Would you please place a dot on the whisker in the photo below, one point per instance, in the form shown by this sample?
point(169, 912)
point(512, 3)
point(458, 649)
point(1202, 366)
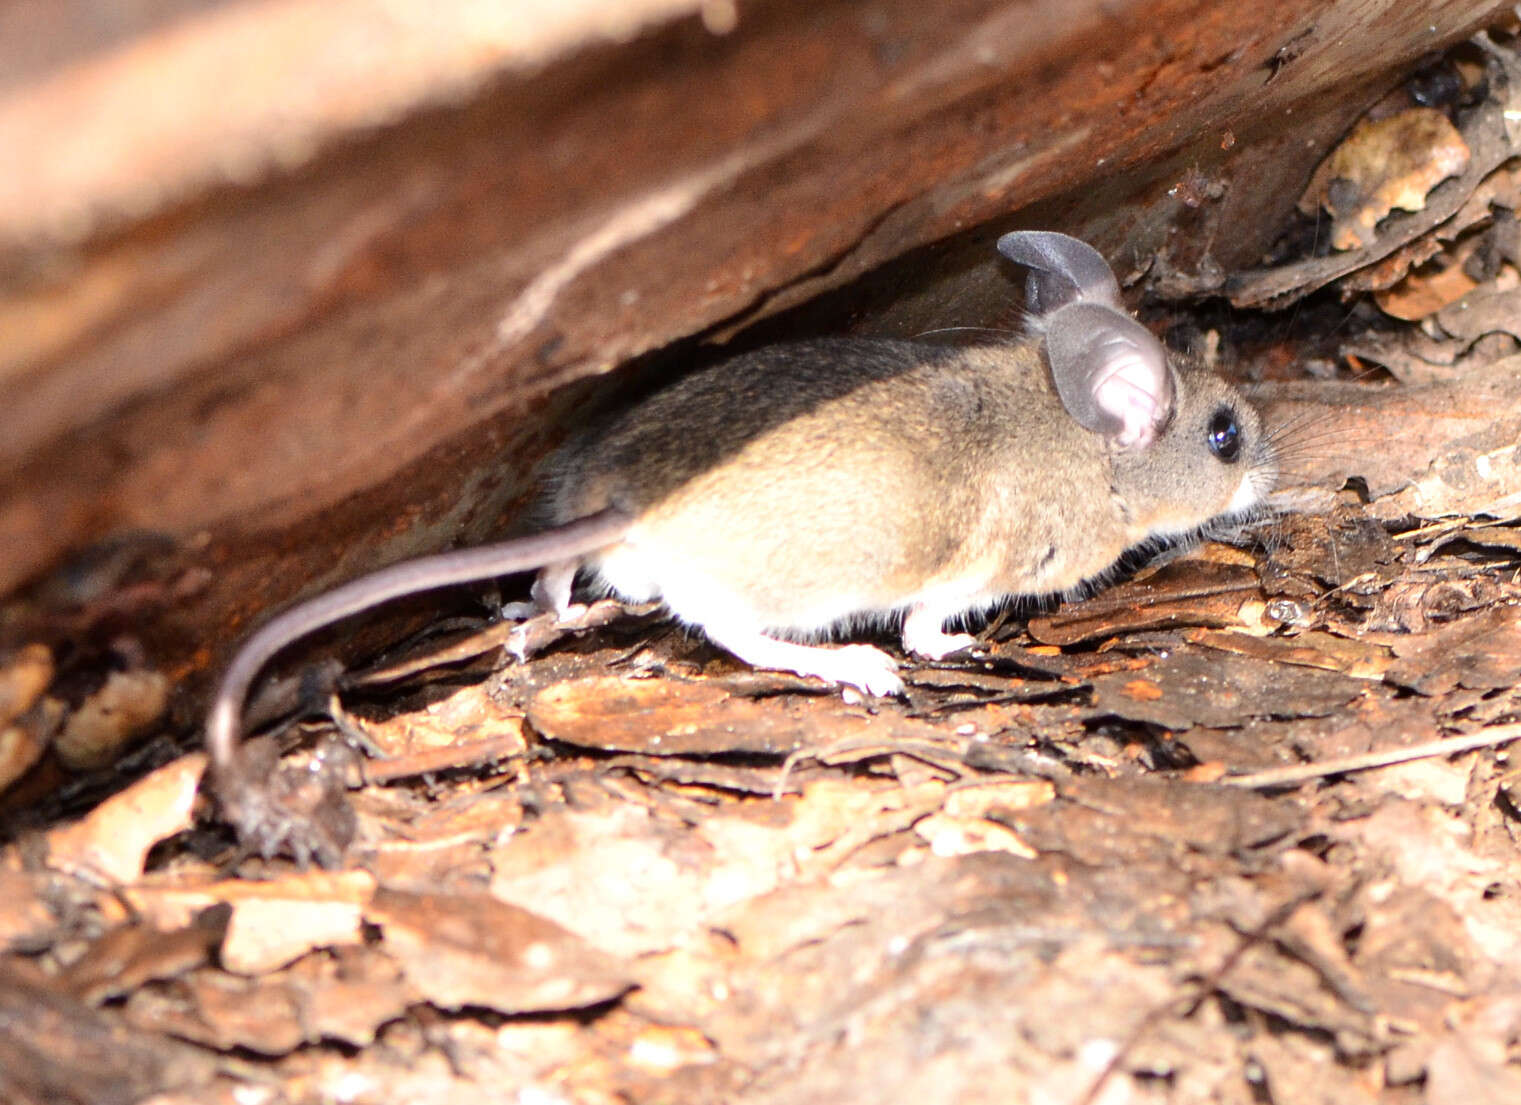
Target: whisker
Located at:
point(1314, 428)
point(1013, 335)
point(1305, 445)
point(1311, 417)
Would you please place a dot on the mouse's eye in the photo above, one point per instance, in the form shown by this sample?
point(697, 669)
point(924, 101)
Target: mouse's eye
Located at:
point(1225, 435)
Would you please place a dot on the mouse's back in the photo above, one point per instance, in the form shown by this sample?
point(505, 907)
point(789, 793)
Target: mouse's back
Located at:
point(832, 479)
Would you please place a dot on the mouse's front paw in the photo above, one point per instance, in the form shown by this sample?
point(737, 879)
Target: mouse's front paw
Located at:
point(924, 633)
point(938, 645)
point(868, 669)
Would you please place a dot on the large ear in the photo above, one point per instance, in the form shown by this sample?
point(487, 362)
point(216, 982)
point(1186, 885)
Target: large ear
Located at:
point(1110, 372)
point(1063, 270)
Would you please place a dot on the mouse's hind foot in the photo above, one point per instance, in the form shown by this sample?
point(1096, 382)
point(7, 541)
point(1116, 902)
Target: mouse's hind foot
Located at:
point(276, 808)
point(864, 667)
point(543, 629)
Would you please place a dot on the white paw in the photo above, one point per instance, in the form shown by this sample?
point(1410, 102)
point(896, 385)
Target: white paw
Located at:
point(865, 668)
point(937, 646)
point(861, 666)
point(517, 644)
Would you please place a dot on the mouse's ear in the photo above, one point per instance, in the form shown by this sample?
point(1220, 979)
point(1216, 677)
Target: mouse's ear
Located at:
point(1063, 270)
point(1110, 372)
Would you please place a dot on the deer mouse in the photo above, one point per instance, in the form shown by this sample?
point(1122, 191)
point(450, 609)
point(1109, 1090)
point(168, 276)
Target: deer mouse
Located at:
point(802, 490)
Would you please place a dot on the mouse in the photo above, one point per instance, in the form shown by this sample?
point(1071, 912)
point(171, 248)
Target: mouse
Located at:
point(802, 492)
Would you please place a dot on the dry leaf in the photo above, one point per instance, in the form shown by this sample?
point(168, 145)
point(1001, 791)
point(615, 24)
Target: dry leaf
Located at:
point(130, 955)
point(265, 933)
point(24, 740)
point(1191, 592)
point(56, 1049)
point(1311, 649)
point(1383, 165)
point(960, 836)
point(123, 709)
point(661, 1050)
point(110, 845)
point(1187, 689)
point(24, 675)
point(1482, 652)
point(468, 715)
point(26, 921)
point(460, 950)
point(273, 921)
point(1421, 294)
point(978, 799)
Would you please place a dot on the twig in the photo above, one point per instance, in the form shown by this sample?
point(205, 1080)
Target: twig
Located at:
point(1303, 773)
point(1187, 1003)
point(449, 758)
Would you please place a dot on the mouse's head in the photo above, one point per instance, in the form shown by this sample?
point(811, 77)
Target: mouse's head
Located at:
point(1187, 447)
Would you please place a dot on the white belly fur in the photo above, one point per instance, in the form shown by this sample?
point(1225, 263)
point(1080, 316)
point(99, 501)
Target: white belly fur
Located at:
point(637, 572)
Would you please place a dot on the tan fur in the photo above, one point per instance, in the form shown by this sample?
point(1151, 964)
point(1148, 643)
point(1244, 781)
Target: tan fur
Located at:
point(832, 481)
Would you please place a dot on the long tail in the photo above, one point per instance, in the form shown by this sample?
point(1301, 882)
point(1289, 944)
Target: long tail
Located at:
point(567, 542)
